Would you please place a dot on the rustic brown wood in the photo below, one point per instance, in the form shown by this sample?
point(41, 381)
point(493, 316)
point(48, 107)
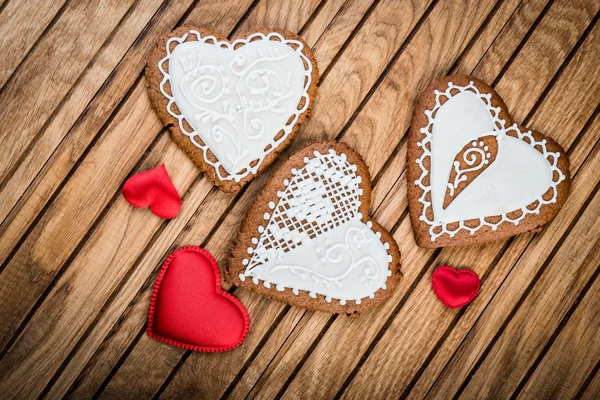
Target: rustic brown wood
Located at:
point(76, 122)
point(592, 390)
point(323, 352)
point(34, 92)
point(21, 24)
point(123, 135)
point(397, 334)
point(228, 229)
point(79, 263)
point(183, 162)
point(574, 353)
point(396, 86)
point(546, 119)
point(538, 316)
point(443, 385)
point(131, 119)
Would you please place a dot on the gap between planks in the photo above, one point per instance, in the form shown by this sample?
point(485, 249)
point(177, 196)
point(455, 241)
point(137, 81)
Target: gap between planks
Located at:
point(71, 172)
point(552, 82)
point(178, 365)
point(364, 101)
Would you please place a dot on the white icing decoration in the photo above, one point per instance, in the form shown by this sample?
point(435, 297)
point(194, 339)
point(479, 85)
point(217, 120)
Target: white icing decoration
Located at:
point(315, 240)
point(520, 175)
point(236, 101)
point(476, 158)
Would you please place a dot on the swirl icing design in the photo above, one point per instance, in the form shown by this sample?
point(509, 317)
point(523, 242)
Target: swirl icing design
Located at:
point(469, 163)
point(241, 99)
point(315, 239)
point(507, 186)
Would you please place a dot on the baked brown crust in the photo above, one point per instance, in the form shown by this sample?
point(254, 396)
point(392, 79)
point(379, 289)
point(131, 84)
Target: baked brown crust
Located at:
point(531, 222)
point(159, 102)
point(254, 219)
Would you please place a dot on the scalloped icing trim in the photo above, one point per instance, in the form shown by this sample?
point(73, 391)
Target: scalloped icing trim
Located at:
point(287, 128)
point(551, 157)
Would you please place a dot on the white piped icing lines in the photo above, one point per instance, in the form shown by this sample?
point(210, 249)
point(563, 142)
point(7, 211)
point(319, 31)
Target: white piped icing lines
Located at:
point(315, 239)
point(236, 97)
point(522, 172)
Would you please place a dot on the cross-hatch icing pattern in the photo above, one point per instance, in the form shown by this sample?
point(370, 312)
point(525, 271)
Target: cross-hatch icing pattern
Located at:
point(437, 228)
point(322, 195)
point(240, 128)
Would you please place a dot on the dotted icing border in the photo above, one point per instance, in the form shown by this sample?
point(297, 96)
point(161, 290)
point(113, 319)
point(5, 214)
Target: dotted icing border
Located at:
point(287, 129)
point(501, 131)
point(296, 291)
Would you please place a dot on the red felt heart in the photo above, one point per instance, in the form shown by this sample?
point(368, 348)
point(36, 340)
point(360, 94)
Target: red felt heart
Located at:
point(153, 188)
point(190, 310)
point(455, 288)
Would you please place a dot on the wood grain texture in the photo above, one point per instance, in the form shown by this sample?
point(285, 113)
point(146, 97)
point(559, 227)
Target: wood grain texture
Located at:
point(141, 223)
point(78, 120)
point(457, 369)
point(226, 229)
point(116, 234)
point(224, 246)
point(278, 374)
point(593, 389)
point(323, 352)
point(538, 316)
point(79, 263)
point(21, 24)
point(130, 119)
point(390, 354)
point(485, 254)
point(574, 353)
point(59, 58)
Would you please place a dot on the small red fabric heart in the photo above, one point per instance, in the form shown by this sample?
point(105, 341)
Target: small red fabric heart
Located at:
point(153, 188)
point(455, 288)
point(190, 310)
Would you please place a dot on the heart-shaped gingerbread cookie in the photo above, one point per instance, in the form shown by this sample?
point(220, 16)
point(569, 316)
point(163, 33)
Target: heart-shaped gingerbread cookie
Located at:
point(231, 105)
point(473, 174)
point(308, 240)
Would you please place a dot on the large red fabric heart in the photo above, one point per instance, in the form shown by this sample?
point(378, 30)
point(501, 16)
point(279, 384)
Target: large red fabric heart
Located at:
point(190, 310)
point(153, 188)
point(455, 288)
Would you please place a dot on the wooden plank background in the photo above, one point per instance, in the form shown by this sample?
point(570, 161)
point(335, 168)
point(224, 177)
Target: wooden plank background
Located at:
point(78, 263)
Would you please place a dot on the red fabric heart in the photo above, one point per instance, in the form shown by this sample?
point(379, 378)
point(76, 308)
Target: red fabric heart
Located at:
point(153, 188)
point(190, 310)
point(455, 288)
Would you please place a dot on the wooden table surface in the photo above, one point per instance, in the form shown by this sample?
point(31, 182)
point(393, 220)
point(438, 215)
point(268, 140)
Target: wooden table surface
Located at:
point(78, 263)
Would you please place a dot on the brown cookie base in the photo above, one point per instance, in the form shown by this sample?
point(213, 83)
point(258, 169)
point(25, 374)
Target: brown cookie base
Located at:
point(254, 219)
point(160, 102)
point(531, 222)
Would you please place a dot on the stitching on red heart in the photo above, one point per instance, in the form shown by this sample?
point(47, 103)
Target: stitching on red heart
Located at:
point(453, 291)
point(170, 318)
point(154, 189)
